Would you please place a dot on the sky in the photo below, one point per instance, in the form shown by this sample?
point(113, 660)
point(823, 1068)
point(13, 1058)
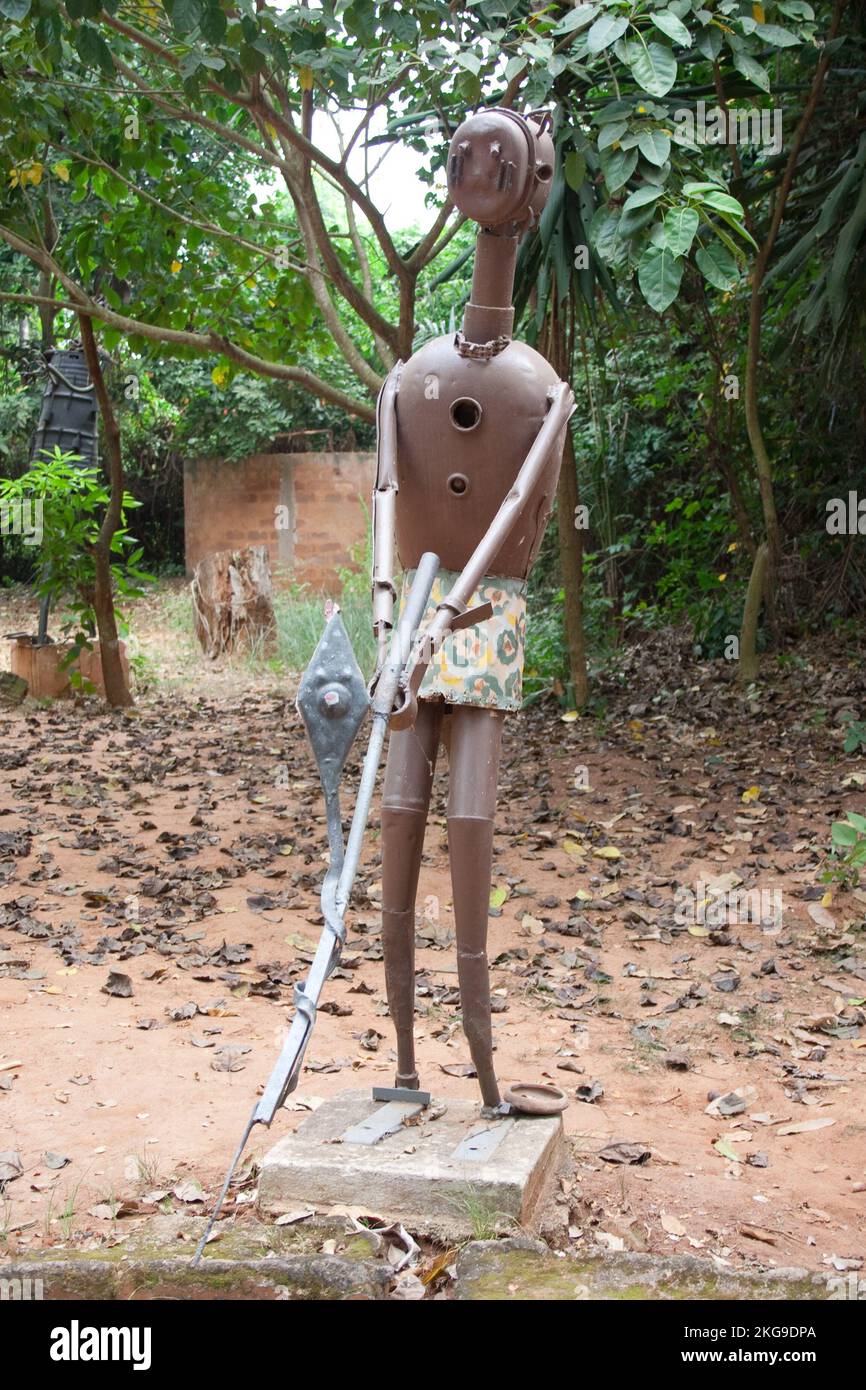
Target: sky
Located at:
point(395, 188)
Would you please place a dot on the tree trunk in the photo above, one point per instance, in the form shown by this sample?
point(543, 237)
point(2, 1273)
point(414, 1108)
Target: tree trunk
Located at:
point(558, 343)
point(233, 600)
point(116, 688)
point(763, 464)
point(571, 563)
point(748, 667)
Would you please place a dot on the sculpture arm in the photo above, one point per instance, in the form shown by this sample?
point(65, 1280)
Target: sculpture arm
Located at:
point(453, 610)
point(384, 513)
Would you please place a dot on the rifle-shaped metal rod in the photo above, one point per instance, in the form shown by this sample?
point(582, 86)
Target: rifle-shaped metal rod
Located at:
point(332, 700)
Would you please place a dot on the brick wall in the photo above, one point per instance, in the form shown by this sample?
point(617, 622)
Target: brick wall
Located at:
point(228, 505)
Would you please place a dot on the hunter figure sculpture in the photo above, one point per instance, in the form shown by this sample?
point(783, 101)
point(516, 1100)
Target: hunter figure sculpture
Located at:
point(470, 435)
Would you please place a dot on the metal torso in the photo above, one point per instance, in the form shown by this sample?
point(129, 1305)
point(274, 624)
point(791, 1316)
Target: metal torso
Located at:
point(464, 426)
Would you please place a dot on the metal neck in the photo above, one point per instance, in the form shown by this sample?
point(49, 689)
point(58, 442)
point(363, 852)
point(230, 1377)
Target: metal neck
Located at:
point(490, 312)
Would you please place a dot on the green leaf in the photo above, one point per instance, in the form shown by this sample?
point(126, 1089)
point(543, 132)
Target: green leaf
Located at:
point(653, 67)
point(680, 225)
point(693, 189)
point(610, 134)
point(15, 9)
point(618, 167)
point(659, 275)
point(614, 111)
point(723, 202)
point(709, 42)
point(842, 834)
point(93, 50)
point(578, 18)
point(651, 173)
point(752, 70)
point(673, 27)
point(848, 240)
point(717, 266)
point(641, 197)
point(213, 24)
point(472, 62)
point(574, 169)
point(605, 31)
point(655, 146)
point(185, 15)
point(603, 232)
point(634, 221)
point(469, 86)
point(796, 9)
point(859, 822)
point(776, 35)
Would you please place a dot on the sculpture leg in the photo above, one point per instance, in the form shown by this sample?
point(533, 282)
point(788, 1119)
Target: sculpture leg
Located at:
point(405, 801)
point(473, 755)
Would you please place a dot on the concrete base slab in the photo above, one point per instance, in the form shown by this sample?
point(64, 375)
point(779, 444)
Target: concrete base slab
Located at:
point(456, 1172)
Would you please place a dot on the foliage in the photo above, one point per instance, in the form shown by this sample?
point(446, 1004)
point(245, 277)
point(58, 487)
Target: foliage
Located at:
point(855, 734)
point(849, 850)
point(73, 501)
point(192, 237)
point(175, 110)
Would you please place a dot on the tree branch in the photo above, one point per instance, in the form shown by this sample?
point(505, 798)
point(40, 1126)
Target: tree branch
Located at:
point(208, 342)
point(343, 282)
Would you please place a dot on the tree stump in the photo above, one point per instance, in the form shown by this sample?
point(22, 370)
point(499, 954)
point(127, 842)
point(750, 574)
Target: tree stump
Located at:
point(233, 600)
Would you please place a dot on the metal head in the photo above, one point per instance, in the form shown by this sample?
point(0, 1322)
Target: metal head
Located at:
point(332, 701)
point(500, 167)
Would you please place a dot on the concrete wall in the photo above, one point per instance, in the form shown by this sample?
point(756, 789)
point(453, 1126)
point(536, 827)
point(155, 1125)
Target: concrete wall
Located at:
point(229, 505)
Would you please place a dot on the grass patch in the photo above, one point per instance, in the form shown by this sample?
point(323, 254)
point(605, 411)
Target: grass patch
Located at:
point(300, 620)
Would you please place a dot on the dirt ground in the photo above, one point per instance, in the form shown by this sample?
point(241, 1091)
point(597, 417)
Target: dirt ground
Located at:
point(159, 881)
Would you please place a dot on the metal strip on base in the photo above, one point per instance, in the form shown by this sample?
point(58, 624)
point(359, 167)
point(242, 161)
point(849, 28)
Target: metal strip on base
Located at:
point(385, 1119)
point(478, 1147)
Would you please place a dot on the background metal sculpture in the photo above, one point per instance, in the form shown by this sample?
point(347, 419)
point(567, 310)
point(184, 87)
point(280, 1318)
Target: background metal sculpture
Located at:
point(68, 420)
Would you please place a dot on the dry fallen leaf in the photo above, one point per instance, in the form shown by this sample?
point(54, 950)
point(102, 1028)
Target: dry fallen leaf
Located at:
point(805, 1126)
point(623, 1152)
point(821, 917)
point(756, 1233)
point(118, 984)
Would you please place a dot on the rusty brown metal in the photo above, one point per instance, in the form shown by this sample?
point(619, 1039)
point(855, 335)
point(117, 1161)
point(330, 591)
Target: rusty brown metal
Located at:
point(471, 434)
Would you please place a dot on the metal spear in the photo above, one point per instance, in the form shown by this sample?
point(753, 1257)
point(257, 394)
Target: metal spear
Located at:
point(332, 701)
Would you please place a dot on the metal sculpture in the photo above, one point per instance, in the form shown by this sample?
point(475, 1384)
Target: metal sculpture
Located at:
point(471, 432)
point(470, 438)
point(68, 421)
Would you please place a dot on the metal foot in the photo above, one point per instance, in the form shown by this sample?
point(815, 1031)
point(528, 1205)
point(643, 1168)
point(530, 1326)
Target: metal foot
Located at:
point(497, 1112)
point(414, 1097)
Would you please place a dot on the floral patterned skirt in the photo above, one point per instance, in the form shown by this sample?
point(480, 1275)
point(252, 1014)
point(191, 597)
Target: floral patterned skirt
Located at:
point(480, 665)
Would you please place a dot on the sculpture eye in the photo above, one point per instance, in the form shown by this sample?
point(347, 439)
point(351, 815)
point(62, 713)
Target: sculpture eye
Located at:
point(465, 413)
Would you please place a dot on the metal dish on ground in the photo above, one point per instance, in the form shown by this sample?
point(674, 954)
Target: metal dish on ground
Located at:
point(533, 1098)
